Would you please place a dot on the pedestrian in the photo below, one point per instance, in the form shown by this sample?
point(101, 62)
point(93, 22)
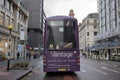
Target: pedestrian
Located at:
point(18, 55)
point(85, 55)
point(29, 55)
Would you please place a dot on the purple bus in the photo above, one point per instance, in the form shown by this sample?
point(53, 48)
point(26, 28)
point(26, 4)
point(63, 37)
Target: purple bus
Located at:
point(61, 46)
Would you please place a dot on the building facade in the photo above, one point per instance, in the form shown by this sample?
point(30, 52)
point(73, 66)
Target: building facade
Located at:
point(12, 13)
point(109, 38)
point(87, 32)
point(35, 24)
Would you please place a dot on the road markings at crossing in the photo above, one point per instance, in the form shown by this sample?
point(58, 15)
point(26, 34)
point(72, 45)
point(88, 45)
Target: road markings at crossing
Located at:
point(83, 70)
point(96, 70)
point(110, 70)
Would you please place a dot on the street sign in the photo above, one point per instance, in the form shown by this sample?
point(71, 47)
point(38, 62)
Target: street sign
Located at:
point(20, 47)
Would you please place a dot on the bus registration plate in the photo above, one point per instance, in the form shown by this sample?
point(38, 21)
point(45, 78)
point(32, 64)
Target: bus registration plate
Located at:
point(61, 69)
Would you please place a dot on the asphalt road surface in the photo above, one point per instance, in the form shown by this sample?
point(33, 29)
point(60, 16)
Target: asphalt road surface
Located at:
point(90, 70)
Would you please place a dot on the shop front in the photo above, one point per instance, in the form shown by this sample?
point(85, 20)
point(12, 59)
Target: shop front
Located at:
point(3, 46)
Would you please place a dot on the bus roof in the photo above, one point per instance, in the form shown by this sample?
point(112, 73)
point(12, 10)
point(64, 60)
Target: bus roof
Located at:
point(61, 18)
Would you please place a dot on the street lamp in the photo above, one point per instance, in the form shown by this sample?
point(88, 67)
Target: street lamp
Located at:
point(10, 28)
point(9, 41)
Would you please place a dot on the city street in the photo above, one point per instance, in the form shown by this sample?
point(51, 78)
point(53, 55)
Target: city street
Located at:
point(99, 70)
point(90, 70)
point(46, 39)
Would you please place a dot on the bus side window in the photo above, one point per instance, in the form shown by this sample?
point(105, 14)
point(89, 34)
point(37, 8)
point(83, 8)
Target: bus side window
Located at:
point(50, 38)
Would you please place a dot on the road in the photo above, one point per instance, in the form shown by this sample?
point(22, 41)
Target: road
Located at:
point(99, 70)
point(90, 70)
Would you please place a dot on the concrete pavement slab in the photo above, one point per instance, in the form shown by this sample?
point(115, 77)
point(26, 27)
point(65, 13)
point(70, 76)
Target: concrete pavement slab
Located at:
point(14, 74)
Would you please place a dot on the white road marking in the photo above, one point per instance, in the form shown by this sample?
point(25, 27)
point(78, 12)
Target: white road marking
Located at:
point(98, 70)
point(105, 64)
point(110, 70)
point(109, 64)
point(83, 70)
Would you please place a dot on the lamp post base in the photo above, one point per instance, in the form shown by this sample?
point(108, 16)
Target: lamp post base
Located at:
point(8, 65)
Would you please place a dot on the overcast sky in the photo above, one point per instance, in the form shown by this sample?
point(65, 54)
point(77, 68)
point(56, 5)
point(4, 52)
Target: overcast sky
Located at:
point(62, 7)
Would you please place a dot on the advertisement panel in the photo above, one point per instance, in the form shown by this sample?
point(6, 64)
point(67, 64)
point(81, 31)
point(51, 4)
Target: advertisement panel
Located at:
point(22, 33)
point(61, 61)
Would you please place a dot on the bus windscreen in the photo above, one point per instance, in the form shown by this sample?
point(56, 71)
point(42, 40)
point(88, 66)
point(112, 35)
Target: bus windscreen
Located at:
point(60, 35)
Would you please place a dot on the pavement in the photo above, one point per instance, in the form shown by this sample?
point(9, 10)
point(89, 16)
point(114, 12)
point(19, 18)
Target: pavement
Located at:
point(14, 74)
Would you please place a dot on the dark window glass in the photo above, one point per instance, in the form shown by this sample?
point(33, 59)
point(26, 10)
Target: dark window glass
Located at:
point(88, 34)
point(60, 35)
point(95, 33)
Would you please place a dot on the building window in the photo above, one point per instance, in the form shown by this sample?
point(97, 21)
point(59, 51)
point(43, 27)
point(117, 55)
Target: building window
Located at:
point(25, 19)
point(12, 8)
point(19, 27)
point(88, 46)
point(87, 27)
point(1, 2)
point(7, 21)
point(8, 5)
point(118, 2)
point(12, 23)
point(88, 34)
point(95, 33)
point(95, 26)
point(20, 15)
point(87, 21)
point(1, 18)
point(95, 21)
point(3, 43)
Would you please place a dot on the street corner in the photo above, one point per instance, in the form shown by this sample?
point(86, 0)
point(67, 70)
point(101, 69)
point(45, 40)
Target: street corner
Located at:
point(23, 73)
point(13, 74)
